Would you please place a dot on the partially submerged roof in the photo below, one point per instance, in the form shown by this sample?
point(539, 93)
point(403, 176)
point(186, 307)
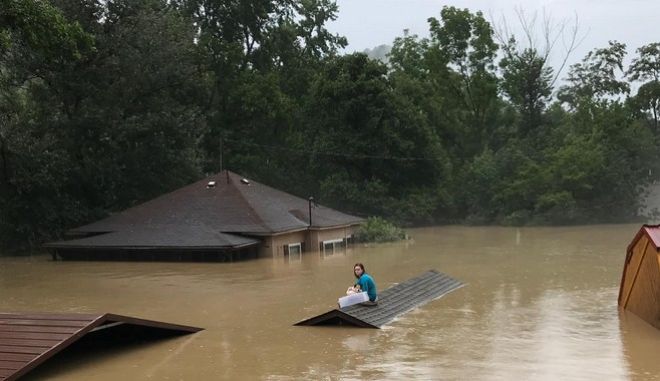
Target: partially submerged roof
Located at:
point(231, 205)
point(216, 211)
point(27, 340)
point(180, 237)
point(393, 302)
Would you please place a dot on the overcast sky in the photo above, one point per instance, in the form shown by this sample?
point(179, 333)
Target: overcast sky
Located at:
point(368, 23)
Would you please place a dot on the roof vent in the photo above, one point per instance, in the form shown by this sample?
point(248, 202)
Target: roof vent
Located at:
point(211, 184)
point(245, 181)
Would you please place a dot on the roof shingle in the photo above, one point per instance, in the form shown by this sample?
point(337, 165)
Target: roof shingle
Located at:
point(200, 215)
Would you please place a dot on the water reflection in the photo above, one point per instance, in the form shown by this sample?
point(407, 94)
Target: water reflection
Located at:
point(641, 343)
point(540, 304)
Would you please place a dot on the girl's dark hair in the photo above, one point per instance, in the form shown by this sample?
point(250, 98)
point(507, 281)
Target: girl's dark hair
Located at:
point(361, 266)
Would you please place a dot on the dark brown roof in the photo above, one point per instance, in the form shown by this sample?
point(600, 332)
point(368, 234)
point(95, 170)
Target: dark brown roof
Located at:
point(180, 237)
point(230, 206)
point(197, 215)
point(27, 340)
point(393, 302)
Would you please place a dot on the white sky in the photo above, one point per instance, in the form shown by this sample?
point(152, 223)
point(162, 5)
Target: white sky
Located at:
point(369, 23)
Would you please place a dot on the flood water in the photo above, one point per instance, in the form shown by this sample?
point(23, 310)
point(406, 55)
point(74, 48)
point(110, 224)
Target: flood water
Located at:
point(540, 303)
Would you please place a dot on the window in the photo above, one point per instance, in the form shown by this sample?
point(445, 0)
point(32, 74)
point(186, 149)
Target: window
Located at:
point(293, 251)
point(295, 248)
point(328, 247)
point(332, 246)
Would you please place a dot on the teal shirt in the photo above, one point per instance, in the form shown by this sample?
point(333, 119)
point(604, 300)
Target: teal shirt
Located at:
point(366, 283)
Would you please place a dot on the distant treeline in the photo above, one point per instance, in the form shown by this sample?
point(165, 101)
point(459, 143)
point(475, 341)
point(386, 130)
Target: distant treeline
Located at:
point(104, 104)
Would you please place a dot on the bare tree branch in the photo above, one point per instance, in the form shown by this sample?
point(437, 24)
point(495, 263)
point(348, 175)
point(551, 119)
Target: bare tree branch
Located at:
point(572, 45)
point(565, 30)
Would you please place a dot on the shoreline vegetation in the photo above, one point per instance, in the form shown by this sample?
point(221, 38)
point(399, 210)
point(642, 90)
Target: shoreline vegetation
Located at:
point(107, 104)
point(377, 229)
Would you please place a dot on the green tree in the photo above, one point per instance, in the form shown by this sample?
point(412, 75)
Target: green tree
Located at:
point(107, 127)
point(36, 41)
point(461, 62)
point(408, 56)
point(131, 109)
point(598, 164)
point(386, 159)
point(595, 79)
point(527, 82)
point(646, 68)
point(261, 56)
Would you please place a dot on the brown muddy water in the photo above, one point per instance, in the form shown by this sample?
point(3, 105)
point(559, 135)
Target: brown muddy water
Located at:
point(540, 303)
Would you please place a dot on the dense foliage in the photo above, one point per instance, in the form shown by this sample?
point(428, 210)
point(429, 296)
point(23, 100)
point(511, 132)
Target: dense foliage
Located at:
point(104, 104)
point(377, 229)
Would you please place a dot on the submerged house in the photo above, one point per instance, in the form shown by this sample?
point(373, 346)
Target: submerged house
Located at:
point(640, 283)
point(221, 217)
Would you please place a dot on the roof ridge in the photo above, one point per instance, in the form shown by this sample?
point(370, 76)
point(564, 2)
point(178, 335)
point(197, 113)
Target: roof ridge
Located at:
point(282, 193)
point(643, 231)
point(245, 200)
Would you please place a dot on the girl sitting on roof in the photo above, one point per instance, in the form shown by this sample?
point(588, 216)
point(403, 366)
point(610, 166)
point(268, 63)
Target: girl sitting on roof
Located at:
point(365, 282)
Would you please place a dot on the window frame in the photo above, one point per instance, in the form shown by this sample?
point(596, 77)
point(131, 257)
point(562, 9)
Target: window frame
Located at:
point(293, 245)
